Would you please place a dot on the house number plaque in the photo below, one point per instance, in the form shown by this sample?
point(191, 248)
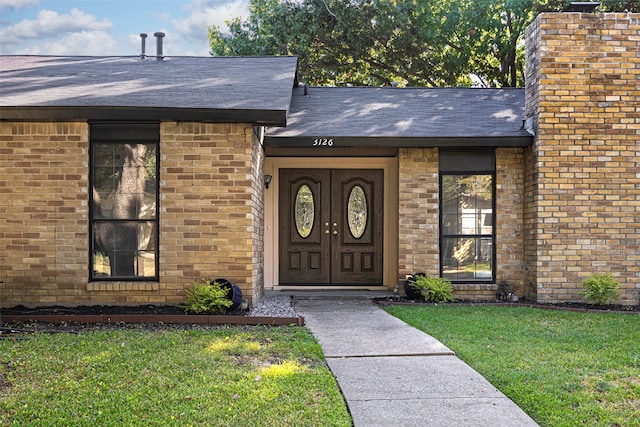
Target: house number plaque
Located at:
point(323, 142)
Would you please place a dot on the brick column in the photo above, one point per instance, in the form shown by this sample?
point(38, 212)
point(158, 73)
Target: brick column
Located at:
point(418, 212)
point(510, 219)
point(583, 182)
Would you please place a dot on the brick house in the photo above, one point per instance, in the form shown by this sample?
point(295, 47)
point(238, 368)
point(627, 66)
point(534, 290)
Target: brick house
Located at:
point(122, 180)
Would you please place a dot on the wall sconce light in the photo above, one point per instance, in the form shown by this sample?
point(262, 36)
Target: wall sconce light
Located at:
point(267, 180)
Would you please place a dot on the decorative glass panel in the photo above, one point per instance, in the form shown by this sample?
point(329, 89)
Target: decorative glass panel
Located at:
point(304, 211)
point(357, 211)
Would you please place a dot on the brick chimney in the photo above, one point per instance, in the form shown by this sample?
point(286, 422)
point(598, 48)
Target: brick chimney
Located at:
point(583, 184)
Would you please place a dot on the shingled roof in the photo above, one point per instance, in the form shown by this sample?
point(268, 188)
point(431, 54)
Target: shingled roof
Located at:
point(221, 89)
point(386, 116)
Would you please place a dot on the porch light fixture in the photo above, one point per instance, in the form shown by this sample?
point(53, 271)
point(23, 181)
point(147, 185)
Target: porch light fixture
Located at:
point(267, 180)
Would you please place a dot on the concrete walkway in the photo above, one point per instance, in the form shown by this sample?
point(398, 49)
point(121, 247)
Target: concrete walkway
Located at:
point(392, 374)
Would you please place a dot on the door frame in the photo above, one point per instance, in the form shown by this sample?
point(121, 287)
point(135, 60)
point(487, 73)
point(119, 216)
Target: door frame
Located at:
point(389, 165)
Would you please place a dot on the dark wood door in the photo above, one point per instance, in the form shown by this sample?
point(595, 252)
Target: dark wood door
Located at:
point(331, 226)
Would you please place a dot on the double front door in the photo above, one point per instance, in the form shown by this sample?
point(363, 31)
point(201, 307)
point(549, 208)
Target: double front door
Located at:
point(330, 227)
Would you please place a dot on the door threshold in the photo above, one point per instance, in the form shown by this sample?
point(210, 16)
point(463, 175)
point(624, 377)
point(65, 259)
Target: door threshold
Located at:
point(323, 292)
point(330, 288)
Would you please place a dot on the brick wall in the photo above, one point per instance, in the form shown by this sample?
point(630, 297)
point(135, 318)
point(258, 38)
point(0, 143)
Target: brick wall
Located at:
point(583, 182)
point(43, 213)
point(210, 192)
point(510, 219)
point(211, 196)
point(255, 287)
point(418, 239)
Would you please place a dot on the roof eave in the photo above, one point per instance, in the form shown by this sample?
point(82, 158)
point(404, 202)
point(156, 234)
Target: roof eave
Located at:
point(257, 117)
point(400, 141)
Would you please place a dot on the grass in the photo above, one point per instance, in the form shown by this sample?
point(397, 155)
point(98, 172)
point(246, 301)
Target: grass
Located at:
point(255, 376)
point(562, 368)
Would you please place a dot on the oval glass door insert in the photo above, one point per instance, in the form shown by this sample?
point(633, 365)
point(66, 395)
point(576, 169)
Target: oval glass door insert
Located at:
point(304, 211)
point(357, 212)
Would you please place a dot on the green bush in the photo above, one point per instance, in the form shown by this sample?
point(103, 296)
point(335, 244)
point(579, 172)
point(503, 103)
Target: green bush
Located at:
point(600, 289)
point(436, 289)
point(207, 297)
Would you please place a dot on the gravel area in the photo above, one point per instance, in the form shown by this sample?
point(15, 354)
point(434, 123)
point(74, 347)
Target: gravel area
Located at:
point(278, 306)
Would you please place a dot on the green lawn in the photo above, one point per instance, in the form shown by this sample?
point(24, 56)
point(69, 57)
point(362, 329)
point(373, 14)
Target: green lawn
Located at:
point(562, 368)
point(251, 376)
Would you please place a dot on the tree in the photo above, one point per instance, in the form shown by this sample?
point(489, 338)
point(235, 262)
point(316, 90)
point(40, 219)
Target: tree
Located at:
point(118, 240)
point(380, 42)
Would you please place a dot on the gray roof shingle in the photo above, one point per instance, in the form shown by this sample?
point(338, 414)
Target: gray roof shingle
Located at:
point(206, 88)
point(404, 117)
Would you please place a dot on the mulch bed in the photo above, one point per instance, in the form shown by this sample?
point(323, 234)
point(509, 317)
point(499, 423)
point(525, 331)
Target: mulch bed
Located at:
point(86, 310)
point(569, 306)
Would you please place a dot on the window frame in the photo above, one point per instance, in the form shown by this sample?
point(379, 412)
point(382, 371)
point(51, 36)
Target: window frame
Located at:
point(122, 133)
point(463, 168)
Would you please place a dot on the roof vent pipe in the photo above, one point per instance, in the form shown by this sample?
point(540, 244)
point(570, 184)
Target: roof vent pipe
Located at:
point(159, 37)
point(143, 37)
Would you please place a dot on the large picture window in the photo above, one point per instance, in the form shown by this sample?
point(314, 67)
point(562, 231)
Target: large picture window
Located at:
point(467, 219)
point(124, 202)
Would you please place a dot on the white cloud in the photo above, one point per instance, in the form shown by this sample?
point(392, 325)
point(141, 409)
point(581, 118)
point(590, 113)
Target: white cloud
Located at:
point(89, 43)
point(76, 33)
point(16, 4)
point(189, 36)
point(203, 14)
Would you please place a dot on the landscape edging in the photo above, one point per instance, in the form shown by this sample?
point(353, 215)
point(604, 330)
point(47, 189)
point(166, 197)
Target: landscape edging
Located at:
point(154, 318)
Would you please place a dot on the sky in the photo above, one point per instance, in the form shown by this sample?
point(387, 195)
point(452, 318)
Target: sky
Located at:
point(111, 27)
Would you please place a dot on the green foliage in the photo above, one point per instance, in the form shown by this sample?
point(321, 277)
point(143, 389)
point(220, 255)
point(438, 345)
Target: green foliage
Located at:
point(207, 297)
point(409, 42)
point(562, 368)
point(226, 376)
point(436, 289)
point(600, 289)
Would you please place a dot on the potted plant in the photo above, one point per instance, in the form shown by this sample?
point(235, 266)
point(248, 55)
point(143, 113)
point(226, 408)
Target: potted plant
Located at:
point(411, 292)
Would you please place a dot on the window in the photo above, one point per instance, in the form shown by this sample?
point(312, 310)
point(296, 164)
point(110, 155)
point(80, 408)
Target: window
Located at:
point(123, 201)
point(467, 238)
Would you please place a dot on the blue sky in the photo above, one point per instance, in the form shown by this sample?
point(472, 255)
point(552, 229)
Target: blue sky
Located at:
point(110, 27)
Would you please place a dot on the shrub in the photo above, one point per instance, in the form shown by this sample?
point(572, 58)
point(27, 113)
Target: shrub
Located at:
point(207, 297)
point(436, 289)
point(600, 289)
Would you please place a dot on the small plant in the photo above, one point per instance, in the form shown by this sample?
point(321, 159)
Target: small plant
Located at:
point(600, 289)
point(207, 297)
point(436, 289)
